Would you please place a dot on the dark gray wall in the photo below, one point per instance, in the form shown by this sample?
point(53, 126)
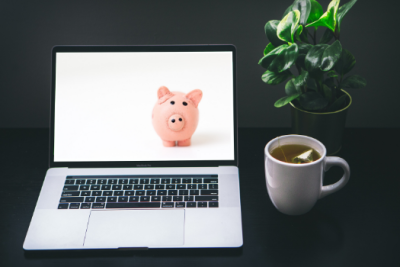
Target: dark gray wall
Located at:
point(29, 29)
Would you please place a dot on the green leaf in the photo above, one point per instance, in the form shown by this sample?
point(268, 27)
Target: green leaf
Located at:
point(354, 81)
point(332, 74)
point(269, 48)
point(287, 10)
point(304, 48)
point(285, 100)
point(300, 61)
point(330, 82)
point(287, 27)
point(313, 59)
point(299, 30)
point(304, 7)
point(304, 36)
point(270, 31)
point(326, 37)
point(331, 55)
point(285, 59)
point(343, 11)
point(273, 78)
point(345, 63)
point(291, 88)
point(313, 101)
point(316, 11)
point(338, 104)
point(311, 84)
point(329, 18)
point(327, 92)
point(268, 58)
point(301, 80)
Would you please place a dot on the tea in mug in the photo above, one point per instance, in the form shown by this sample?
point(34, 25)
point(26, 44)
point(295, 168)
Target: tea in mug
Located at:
point(296, 154)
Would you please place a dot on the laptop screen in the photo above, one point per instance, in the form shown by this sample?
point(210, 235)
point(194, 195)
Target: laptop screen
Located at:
point(144, 106)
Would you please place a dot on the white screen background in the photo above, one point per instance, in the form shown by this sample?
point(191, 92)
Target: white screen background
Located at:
point(104, 102)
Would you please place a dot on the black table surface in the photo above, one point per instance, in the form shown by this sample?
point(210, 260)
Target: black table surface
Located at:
point(356, 226)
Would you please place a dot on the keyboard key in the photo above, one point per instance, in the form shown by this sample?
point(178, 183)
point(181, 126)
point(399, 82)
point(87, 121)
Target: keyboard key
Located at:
point(213, 186)
point(96, 193)
point(155, 181)
point(175, 180)
point(118, 193)
point(123, 181)
point(167, 204)
point(155, 198)
point(84, 187)
point(206, 198)
point(209, 192)
point(71, 188)
point(122, 199)
point(102, 181)
point(189, 198)
point(127, 187)
point(186, 180)
point(133, 181)
point(181, 186)
point(180, 204)
point(95, 187)
point(80, 182)
point(71, 181)
point(161, 192)
point(144, 181)
point(210, 180)
point(202, 204)
point(166, 181)
point(183, 192)
point(149, 186)
point(138, 187)
point(63, 206)
point(166, 198)
point(191, 204)
point(71, 194)
point(133, 205)
point(178, 198)
point(150, 192)
point(101, 199)
point(112, 181)
point(213, 204)
point(85, 193)
point(171, 186)
point(89, 199)
point(98, 206)
point(194, 192)
point(192, 186)
point(140, 193)
point(86, 205)
point(117, 187)
point(197, 180)
point(129, 193)
point(91, 181)
point(160, 186)
point(202, 186)
point(71, 199)
point(144, 199)
point(74, 205)
point(133, 199)
point(111, 199)
point(172, 192)
point(106, 187)
point(107, 193)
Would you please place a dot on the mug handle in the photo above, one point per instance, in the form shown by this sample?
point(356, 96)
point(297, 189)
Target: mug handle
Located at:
point(332, 188)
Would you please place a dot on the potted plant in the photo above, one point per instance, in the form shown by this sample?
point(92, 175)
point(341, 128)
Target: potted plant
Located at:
point(318, 71)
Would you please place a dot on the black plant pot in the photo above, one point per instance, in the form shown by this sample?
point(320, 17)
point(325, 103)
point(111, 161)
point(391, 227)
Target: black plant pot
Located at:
point(326, 127)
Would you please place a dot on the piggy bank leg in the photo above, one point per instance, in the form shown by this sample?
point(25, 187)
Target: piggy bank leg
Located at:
point(184, 142)
point(168, 143)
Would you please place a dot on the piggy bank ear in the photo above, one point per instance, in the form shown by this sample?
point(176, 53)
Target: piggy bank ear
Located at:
point(195, 96)
point(162, 91)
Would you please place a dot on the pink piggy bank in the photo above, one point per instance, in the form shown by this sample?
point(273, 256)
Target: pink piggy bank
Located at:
point(175, 116)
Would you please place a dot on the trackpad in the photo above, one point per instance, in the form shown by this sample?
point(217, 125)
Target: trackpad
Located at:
point(135, 228)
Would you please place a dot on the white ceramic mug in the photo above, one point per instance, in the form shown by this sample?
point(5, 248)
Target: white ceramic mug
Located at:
point(295, 188)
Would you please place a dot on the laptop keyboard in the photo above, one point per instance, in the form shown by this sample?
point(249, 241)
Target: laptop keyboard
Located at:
point(141, 191)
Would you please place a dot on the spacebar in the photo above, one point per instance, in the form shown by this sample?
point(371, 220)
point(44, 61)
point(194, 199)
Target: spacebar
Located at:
point(132, 205)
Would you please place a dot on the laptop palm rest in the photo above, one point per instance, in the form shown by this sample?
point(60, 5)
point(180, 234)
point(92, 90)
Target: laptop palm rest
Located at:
point(135, 228)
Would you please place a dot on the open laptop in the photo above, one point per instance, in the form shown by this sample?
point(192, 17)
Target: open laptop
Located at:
point(117, 179)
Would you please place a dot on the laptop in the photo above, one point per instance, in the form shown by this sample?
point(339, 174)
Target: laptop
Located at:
point(143, 150)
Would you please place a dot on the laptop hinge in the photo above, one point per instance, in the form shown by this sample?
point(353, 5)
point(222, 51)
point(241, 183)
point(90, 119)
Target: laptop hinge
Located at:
point(133, 248)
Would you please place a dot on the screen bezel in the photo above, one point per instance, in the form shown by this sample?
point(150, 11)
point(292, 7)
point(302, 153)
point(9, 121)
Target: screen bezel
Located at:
point(141, 164)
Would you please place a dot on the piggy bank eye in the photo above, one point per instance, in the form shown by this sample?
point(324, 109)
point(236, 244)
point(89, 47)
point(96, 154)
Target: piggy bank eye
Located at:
point(172, 102)
point(184, 103)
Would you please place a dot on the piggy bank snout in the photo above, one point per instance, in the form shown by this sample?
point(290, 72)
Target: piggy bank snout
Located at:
point(176, 122)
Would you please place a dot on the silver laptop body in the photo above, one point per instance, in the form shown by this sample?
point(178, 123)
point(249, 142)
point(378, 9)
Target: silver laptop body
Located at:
point(112, 184)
